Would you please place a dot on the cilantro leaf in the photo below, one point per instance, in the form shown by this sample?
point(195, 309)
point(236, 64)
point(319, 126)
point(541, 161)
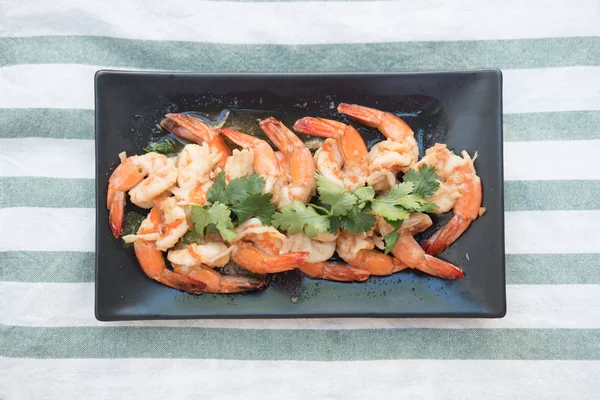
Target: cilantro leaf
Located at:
point(335, 223)
point(299, 217)
point(365, 193)
point(389, 211)
point(217, 191)
point(256, 205)
point(425, 180)
point(329, 192)
point(165, 147)
point(394, 224)
point(190, 237)
point(412, 202)
point(397, 193)
point(240, 188)
point(390, 241)
point(358, 221)
point(217, 215)
point(343, 204)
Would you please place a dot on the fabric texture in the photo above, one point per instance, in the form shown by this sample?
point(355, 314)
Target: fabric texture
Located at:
point(547, 346)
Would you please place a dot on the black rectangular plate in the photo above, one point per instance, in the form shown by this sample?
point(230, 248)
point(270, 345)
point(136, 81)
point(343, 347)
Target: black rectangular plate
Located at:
point(462, 109)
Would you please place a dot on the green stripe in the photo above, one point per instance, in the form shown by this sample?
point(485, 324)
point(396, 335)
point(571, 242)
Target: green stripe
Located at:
point(51, 266)
point(564, 125)
point(400, 56)
point(46, 123)
point(552, 269)
point(309, 345)
point(551, 195)
point(47, 192)
point(525, 269)
point(519, 195)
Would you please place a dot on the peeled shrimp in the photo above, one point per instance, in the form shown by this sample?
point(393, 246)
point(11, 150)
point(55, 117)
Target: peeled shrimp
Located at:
point(217, 283)
point(295, 160)
point(358, 250)
point(460, 190)
point(343, 157)
point(193, 129)
point(239, 164)
point(145, 176)
point(152, 261)
point(387, 158)
point(316, 265)
point(195, 166)
point(211, 254)
point(265, 161)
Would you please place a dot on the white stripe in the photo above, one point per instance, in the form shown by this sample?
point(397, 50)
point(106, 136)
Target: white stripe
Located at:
point(552, 160)
point(71, 158)
point(47, 229)
point(72, 229)
point(306, 22)
point(525, 90)
point(60, 158)
point(399, 379)
point(529, 306)
point(552, 232)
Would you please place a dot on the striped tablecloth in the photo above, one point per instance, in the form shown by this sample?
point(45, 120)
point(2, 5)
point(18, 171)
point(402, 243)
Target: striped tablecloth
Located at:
point(548, 346)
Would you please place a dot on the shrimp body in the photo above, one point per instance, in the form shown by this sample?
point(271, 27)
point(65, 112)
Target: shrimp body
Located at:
point(216, 283)
point(295, 160)
point(211, 254)
point(316, 265)
point(343, 157)
point(358, 250)
point(152, 262)
point(239, 164)
point(195, 166)
point(396, 154)
point(194, 130)
point(408, 251)
point(265, 161)
point(145, 177)
point(460, 191)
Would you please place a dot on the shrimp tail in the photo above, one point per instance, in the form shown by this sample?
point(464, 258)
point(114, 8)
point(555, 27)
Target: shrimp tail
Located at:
point(334, 271)
point(319, 127)
point(216, 283)
point(153, 264)
point(116, 212)
point(259, 262)
point(364, 115)
point(442, 269)
point(446, 235)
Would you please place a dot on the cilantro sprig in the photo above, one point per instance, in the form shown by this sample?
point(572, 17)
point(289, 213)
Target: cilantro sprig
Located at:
point(232, 204)
point(356, 211)
point(165, 147)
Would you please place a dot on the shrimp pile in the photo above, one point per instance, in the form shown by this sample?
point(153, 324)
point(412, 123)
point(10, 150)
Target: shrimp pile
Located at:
point(170, 186)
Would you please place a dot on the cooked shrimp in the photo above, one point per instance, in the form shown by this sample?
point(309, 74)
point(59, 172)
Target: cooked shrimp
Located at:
point(145, 176)
point(255, 260)
point(153, 263)
point(266, 238)
point(343, 157)
point(358, 250)
point(295, 159)
point(408, 251)
point(217, 283)
point(460, 190)
point(193, 129)
point(265, 160)
point(211, 254)
point(387, 158)
point(417, 222)
point(316, 265)
point(239, 164)
point(195, 166)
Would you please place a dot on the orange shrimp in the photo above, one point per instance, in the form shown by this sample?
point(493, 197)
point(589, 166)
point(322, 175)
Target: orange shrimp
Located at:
point(145, 176)
point(153, 263)
point(296, 160)
point(218, 283)
point(408, 251)
point(460, 190)
point(257, 261)
point(387, 158)
point(193, 129)
point(334, 271)
point(358, 250)
point(343, 157)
